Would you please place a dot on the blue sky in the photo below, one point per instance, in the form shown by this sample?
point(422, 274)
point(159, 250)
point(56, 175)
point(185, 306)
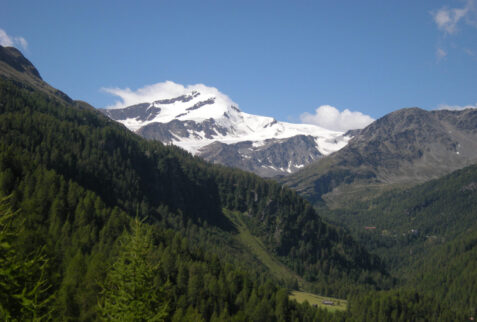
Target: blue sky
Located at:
point(276, 58)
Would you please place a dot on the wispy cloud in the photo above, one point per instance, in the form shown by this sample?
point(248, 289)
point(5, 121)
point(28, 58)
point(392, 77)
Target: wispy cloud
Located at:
point(455, 107)
point(331, 118)
point(440, 54)
point(469, 52)
point(447, 19)
point(163, 90)
point(451, 21)
point(11, 41)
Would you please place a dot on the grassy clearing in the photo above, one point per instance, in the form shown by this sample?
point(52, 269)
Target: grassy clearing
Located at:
point(278, 269)
point(313, 299)
point(256, 247)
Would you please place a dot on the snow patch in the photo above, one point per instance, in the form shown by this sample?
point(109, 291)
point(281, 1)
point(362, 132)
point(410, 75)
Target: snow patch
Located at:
point(199, 103)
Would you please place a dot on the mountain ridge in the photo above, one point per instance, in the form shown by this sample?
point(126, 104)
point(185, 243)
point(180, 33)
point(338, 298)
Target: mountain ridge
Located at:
point(198, 121)
point(75, 179)
point(15, 67)
point(426, 234)
point(404, 147)
point(76, 174)
point(14, 58)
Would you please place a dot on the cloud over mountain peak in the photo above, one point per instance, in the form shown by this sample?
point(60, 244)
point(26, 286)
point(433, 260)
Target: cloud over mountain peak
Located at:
point(163, 90)
point(329, 117)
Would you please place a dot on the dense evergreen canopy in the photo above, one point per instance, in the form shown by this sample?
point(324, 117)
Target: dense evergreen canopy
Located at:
point(78, 178)
point(96, 223)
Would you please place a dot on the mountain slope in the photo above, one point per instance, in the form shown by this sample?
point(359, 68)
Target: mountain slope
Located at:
point(404, 147)
point(431, 213)
point(12, 60)
point(427, 234)
point(211, 126)
point(78, 177)
point(268, 158)
point(14, 66)
point(75, 179)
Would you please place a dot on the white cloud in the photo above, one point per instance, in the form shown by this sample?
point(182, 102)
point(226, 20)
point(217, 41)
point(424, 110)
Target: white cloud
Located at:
point(440, 53)
point(331, 118)
point(447, 19)
point(5, 40)
point(164, 90)
point(469, 52)
point(455, 107)
point(22, 42)
point(9, 41)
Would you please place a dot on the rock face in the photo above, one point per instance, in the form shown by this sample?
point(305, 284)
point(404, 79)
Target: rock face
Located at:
point(404, 147)
point(269, 158)
point(171, 131)
point(140, 111)
point(14, 59)
point(15, 67)
point(413, 144)
point(218, 131)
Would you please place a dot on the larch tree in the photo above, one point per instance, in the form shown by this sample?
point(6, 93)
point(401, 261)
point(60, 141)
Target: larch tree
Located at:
point(129, 292)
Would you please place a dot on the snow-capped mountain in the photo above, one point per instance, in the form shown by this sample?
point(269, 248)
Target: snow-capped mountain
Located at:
point(213, 127)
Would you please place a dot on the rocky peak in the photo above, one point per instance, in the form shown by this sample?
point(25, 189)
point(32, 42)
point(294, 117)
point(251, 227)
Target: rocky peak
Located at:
point(209, 120)
point(15, 59)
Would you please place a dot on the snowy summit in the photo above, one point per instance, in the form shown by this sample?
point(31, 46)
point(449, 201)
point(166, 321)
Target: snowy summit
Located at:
point(198, 117)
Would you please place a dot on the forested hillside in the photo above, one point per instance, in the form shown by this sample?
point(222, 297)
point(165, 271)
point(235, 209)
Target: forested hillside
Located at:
point(411, 219)
point(426, 235)
point(97, 223)
point(74, 180)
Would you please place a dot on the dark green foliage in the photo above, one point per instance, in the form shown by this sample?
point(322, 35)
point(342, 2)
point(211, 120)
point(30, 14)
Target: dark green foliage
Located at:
point(400, 306)
point(201, 287)
point(291, 228)
point(89, 149)
point(25, 293)
point(443, 208)
point(449, 273)
point(118, 169)
point(427, 235)
point(129, 293)
point(76, 176)
point(410, 222)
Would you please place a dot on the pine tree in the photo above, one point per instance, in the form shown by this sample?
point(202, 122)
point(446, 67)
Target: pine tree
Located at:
point(129, 293)
point(24, 287)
